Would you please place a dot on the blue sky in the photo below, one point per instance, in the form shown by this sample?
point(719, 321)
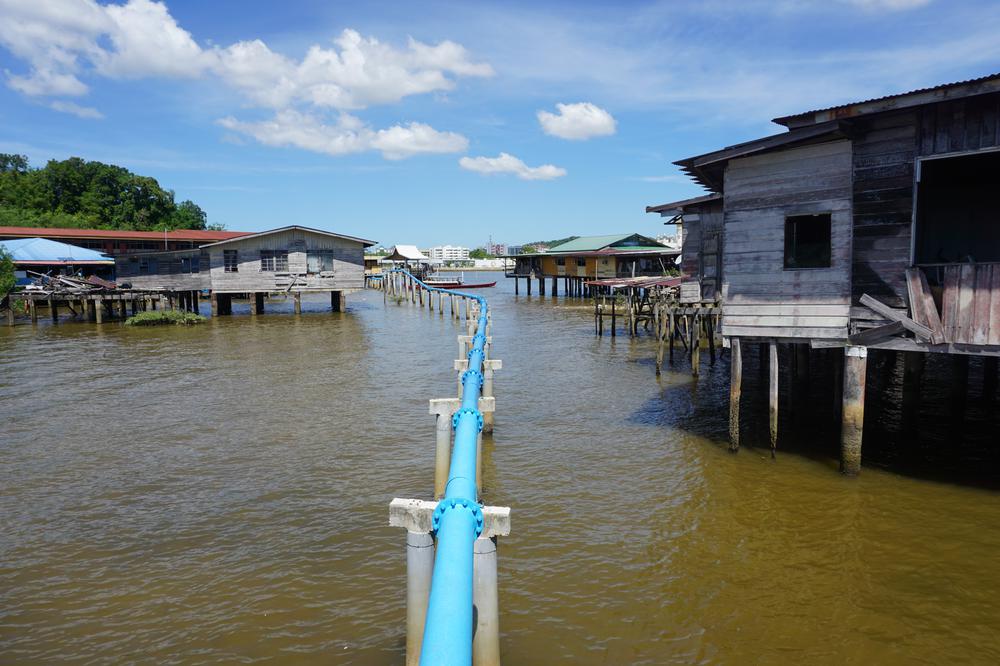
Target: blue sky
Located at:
point(420, 122)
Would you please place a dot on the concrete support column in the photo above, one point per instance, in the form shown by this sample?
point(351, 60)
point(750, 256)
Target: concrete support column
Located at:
point(336, 301)
point(419, 569)
point(297, 305)
point(215, 304)
point(442, 453)
point(488, 393)
point(33, 308)
point(853, 414)
point(99, 310)
point(735, 388)
point(486, 602)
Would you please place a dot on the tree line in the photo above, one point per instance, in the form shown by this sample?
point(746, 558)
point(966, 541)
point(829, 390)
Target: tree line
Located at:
point(77, 193)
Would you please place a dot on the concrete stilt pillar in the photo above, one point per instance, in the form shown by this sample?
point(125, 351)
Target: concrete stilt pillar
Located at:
point(33, 307)
point(488, 393)
point(99, 310)
point(442, 454)
point(419, 569)
point(485, 600)
point(773, 395)
point(297, 298)
point(336, 299)
point(10, 311)
point(853, 412)
point(735, 389)
point(215, 304)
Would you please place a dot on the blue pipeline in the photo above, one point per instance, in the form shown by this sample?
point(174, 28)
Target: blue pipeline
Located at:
point(458, 519)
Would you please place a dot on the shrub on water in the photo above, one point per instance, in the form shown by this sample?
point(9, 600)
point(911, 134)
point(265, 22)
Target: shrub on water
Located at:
point(161, 317)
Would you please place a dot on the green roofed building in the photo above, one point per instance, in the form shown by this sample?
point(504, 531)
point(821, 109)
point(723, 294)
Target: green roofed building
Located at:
point(598, 257)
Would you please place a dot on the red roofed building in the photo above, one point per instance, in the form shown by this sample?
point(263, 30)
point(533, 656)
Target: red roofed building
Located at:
point(118, 241)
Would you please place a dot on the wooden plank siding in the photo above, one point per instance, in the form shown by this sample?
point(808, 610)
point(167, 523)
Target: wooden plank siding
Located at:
point(760, 297)
point(970, 303)
point(701, 252)
point(168, 274)
point(348, 263)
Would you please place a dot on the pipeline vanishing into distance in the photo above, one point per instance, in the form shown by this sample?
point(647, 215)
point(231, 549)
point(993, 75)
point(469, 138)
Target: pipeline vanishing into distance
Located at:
point(458, 518)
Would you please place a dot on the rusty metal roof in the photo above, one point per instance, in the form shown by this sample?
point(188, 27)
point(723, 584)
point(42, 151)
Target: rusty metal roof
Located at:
point(957, 89)
point(641, 282)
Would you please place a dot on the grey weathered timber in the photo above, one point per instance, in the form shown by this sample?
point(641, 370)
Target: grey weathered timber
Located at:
point(919, 330)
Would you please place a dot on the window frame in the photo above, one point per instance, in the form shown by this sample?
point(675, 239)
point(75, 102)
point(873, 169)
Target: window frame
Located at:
point(274, 261)
point(793, 253)
point(230, 261)
point(325, 258)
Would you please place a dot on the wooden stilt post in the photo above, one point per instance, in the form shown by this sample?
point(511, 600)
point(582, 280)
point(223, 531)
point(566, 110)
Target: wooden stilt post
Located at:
point(772, 395)
point(613, 314)
point(695, 344)
point(735, 387)
point(710, 328)
point(989, 378)
point(853, 409)
point(10, 311)
point(913, 373)
point(99, 310)
point(541, 285)
point(527, 281)
point(555, 286)
point(517, 281)
point(33, 307)
point(297, 296)
point(53, 309)
point(671, 334)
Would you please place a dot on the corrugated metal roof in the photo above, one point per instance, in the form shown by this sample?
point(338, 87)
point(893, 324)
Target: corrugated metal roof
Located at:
point(595, 243)
point(177, 234)
point(785, 120)
point(50, 251)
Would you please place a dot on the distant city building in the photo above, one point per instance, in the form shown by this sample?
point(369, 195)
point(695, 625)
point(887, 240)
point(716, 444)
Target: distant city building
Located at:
point(496, 249)
point(513, 250)
point(449, 253)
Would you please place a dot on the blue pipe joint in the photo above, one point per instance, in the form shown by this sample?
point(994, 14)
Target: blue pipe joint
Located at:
point(472, 376)
point(478, 340)
point(467, 410)
point(461, 504)
point(473, 351)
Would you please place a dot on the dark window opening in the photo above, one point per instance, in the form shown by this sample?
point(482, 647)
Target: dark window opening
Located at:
point(230, 261)
point(807, 241)
point(560, 261)
point(274, 260)
point(581, 262)
point(958, 210)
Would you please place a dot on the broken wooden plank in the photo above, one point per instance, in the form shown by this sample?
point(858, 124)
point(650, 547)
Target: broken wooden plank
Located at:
point(918, 330)
point(872, 335)
point(922, 306)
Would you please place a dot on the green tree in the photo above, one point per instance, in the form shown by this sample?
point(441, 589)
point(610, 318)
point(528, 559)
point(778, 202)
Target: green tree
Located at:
point(479, 253)
point(6, 273)
point(189, 215)
point(528, 249)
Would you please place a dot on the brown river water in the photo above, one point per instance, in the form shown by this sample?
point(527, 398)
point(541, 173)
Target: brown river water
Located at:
point(219, 494)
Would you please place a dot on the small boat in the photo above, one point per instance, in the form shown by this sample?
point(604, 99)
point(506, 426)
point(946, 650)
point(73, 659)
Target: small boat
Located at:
point(450, 282)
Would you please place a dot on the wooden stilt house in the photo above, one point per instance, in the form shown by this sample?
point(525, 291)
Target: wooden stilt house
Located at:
point(874, 224)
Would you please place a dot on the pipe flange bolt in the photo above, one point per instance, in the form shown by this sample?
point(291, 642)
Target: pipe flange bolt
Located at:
point(473, 376)
point(467, 410)
point(463, 504)
point(478, 339)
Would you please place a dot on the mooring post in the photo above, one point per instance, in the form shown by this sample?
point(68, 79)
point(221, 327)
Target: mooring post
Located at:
point(695, 344)
point(735, 387)
point(614, 299)
point(772, 397)
point(853, 412)
point(489, 367)
point(419, 570)
point(485, 600)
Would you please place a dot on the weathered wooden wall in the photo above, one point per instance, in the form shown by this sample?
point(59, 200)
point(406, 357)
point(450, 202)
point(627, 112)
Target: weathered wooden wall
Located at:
point(886, 149)
point(168, 275)
point(701, 251)
point(760, 297)
point(348, 268)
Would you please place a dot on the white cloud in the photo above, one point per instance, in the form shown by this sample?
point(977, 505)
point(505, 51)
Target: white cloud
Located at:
point(63, 42)
point(577, 122)
point(88, 112)
point(347, 135)
point(506, 163)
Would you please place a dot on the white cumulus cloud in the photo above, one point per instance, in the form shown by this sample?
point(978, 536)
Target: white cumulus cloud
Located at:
point(66, 42)
point(347, 135)
point(506, 163)
point(577, 122)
